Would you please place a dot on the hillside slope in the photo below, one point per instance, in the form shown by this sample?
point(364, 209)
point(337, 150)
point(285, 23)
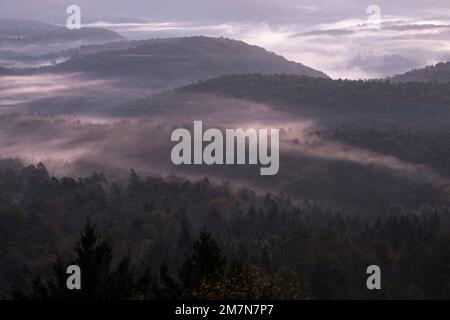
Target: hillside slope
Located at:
point(294, 91)
point(178, 61)
point(437, 73)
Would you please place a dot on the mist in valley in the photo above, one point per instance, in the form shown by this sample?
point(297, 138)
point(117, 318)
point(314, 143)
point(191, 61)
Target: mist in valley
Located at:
point(86, 118)
point(311, 165)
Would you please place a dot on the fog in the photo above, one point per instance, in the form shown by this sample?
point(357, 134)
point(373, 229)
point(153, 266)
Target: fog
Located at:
point(63, 93)
point(95, 130)
point(72, 145)
point(337, 151)
point(78, 123)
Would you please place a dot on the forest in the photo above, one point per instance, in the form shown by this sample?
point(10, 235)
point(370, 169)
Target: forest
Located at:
point(148, 237)
point(293, 90)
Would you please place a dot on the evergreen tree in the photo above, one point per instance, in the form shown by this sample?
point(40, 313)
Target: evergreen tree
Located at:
point(205, 264)
point(99, 279)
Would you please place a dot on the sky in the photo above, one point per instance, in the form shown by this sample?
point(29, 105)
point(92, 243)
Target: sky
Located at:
point(346, 39)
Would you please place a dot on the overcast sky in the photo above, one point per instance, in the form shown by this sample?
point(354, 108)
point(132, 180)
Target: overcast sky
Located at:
point(337, 37)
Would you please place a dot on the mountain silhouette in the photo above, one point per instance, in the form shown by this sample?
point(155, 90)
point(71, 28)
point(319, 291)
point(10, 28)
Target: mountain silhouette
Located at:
point(166, 63)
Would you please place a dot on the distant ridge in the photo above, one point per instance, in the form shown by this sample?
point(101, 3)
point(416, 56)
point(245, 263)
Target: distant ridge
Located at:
point(296, 91)
point(25, 32)
point(437, 73)
point(290, 92)
point(178, 61)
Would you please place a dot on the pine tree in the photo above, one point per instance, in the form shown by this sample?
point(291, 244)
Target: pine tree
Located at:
point(205, 264)
point(99, 279)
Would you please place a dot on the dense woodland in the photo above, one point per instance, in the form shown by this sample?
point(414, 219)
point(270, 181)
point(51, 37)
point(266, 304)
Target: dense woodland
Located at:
point(160, 64)
point(161, 238)
point(428, 147)
point(296, 91)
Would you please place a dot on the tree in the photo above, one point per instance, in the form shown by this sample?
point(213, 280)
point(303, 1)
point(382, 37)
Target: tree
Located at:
point(184, 242)
point(94, 257)
point(99, 279)
point(205, 264)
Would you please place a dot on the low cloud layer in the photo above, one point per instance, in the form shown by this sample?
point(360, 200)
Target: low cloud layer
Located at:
point(21, 89)
point(144, 144)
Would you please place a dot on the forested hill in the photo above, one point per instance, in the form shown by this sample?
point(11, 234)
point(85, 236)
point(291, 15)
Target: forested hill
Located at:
point(437, 73)
point(292, 90)
point(179, 61)
point(19, 33)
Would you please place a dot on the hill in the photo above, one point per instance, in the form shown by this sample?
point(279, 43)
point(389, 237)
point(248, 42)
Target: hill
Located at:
point(327, 102)
point(30, 43)
point(173, 62)
point(289, 90)
point(20, 33)
point(437, 73)
point(11, 28)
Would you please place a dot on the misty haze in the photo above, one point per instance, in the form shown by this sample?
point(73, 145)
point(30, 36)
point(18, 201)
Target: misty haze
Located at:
point(361, 97)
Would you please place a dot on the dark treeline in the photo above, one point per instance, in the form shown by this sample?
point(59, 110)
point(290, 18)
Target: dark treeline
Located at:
point(296, 91)
point(428, 147)
point(436, 73)
point(169, 238)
